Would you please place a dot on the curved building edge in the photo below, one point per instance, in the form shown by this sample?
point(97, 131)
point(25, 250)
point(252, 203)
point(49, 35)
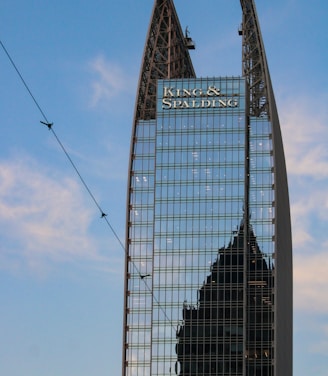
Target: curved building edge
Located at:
point(283, 236)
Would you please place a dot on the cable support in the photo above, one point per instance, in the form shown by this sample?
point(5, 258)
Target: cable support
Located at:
point(82, 180)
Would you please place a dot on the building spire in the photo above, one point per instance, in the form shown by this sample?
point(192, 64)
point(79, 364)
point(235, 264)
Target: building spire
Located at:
point(255, 67)
point(166, 55)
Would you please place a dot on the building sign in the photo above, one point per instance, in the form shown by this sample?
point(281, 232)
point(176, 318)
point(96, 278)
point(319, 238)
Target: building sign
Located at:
point(212, 97)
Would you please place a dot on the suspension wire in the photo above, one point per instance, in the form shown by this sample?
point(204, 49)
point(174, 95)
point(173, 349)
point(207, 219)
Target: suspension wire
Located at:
point(50, 127)
point(103, 215)
point(23, 81)
point(82, 180)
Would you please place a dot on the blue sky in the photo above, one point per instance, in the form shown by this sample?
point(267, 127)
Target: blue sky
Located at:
point(61, 268)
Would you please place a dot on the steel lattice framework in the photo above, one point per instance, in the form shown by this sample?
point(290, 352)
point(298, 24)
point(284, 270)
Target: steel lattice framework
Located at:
point(165, 56)
point(254, 60)
point(262, 105)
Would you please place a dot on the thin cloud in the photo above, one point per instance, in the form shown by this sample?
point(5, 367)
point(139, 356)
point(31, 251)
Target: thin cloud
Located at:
point(311, 281)
point(108, 82)
point(43, 218)
point(305, 138)
point(321, 344)
point(309, 213)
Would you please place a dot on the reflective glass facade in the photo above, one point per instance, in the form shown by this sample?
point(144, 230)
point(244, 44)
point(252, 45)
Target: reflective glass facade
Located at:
point(208, 287)
point(200, 189)
point(193, 267)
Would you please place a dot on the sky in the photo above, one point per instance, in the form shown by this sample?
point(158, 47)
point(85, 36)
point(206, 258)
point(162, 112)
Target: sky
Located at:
point(61, 265)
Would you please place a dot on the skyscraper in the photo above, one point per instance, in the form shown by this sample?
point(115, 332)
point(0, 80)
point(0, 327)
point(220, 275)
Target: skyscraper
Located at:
point(208, 288)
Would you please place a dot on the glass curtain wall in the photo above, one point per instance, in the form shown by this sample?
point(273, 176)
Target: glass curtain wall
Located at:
point(259, 345)
point(187, 201)
point(199, 198)
point(139, 295)
point(201, 248)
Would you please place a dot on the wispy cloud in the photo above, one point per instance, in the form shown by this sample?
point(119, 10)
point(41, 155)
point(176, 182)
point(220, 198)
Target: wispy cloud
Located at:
point(309, 215)
point(109, 81)
point(43, 217)
point(321, 344)
point(311, 281)
point(305, 132)
point(305, 137)
point(305, 140)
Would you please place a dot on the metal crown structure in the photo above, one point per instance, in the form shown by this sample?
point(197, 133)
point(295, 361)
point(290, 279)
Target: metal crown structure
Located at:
point(165, 56)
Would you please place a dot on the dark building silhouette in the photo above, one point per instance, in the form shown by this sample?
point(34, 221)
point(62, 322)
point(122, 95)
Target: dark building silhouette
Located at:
point(206, 158)
point(211, 338)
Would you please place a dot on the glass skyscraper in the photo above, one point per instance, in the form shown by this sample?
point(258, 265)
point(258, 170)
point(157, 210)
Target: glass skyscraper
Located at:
point(208, 279)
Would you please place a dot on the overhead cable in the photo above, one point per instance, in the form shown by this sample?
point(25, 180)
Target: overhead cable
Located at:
point(82, 180)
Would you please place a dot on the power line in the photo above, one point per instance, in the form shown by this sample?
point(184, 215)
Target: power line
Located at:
point(23, 81)
point(50, 127)
point(103, 215)
point(82, 180)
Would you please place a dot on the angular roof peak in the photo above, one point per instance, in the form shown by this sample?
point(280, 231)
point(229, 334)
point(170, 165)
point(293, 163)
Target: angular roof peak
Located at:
point(166, 55)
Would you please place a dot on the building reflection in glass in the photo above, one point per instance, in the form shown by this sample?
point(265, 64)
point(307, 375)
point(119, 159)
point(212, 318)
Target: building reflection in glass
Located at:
point(230, 329)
